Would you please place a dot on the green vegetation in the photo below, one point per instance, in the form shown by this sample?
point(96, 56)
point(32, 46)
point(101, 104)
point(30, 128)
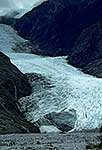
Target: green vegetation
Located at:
point(94, 146)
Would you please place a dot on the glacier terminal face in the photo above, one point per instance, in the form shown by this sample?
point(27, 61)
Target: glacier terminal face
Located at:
point(7, 7)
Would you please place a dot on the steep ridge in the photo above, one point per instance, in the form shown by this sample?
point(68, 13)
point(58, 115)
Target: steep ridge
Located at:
point(53, 26)
point(87, 51)
point(13, 85)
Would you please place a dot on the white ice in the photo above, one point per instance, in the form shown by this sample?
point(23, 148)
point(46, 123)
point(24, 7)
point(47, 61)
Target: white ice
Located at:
point(72, 89)
point(9, 39)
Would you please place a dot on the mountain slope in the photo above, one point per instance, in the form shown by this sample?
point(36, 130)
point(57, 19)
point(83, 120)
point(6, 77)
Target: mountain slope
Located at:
point(13, 85)
point(53, 26)
point(87, 51)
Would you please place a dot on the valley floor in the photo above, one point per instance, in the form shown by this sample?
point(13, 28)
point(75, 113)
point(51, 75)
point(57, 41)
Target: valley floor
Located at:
point(54, 141)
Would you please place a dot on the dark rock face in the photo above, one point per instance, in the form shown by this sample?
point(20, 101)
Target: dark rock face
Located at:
point(88, 47)
point(10, 76)
point(53, 26)
point(94, 68)
point(13, 85)
point(8, 20)
point(87, 51)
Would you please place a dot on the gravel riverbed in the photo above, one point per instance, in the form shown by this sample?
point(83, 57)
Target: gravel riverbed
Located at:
point(52, 141)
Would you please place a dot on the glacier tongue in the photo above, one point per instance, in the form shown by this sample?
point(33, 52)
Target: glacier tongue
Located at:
point(72, 90)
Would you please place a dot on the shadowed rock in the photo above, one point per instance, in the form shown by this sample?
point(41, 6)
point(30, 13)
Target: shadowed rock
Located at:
point(88, 47)
point(94, 68)
point(13, 85)
point(54, 26)
point(87, 51)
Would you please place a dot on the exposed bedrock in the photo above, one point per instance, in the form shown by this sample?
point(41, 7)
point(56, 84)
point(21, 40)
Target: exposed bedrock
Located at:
point(87, 51)
point(13, 85)
point(54, 25)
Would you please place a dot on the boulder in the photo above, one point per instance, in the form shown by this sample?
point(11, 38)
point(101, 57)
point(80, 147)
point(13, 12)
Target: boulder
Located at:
point(13, 85)
point(54, 25)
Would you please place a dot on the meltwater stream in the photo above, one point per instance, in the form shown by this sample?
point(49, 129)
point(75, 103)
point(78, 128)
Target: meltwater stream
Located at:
point(72, 89)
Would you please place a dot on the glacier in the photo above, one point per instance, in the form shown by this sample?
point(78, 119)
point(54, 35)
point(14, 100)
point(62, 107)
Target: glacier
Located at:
point(17, 7)
point(10, 37)
point(72, 89)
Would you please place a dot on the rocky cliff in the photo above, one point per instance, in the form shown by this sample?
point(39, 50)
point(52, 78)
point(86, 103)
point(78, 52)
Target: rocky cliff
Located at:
point(87, 50)
point(13, 85)
point(54, 25)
